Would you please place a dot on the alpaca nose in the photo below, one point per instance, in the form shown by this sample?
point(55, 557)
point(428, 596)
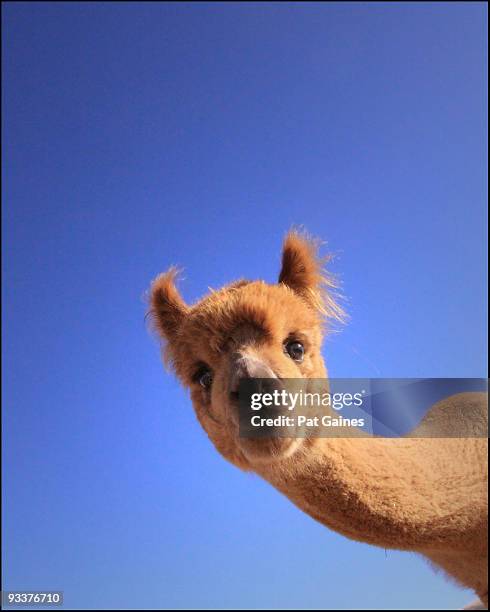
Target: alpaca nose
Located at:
point(247, 366)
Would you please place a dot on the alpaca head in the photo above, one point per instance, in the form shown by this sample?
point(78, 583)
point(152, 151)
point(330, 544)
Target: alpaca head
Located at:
point(247, 330)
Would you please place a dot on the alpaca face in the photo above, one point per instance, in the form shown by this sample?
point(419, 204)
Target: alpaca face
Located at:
point(245, 330)
point(241, 332)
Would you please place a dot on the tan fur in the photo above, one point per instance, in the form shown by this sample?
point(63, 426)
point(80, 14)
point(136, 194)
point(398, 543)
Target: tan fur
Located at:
point(421, 494)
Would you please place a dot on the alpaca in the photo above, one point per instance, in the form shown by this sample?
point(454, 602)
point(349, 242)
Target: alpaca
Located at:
point(424, 494)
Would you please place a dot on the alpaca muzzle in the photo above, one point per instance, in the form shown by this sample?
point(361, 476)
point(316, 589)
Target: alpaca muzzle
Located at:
point(248, 367)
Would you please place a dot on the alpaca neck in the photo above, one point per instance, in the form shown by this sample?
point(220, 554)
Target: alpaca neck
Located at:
point(395, 493)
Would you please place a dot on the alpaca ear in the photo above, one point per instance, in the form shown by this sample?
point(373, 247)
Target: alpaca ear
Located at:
point(302, 271)
point(301, 268)
point(167, 307)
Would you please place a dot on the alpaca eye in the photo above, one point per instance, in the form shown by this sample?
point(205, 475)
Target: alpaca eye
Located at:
point(205, 379)
point(295, 350)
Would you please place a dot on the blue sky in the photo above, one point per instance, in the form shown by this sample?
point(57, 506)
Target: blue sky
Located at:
point(139, 135)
